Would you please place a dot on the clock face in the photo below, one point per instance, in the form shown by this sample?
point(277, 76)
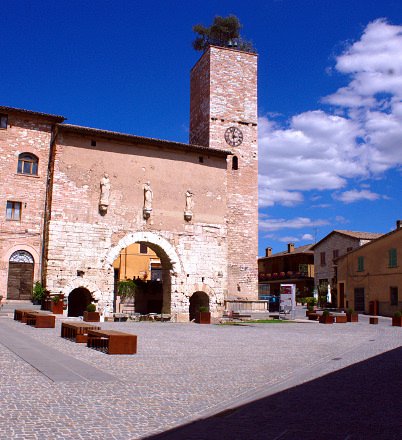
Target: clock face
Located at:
point(233, 136)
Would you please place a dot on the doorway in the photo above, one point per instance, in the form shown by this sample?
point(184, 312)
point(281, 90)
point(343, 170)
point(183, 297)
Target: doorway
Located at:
point(359, 299)
point(197, 300)
point(78, 301)
point(20, 276)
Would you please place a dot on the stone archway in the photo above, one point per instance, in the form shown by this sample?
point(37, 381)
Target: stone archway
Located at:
point(78, 301)
point(197, 300)
point(171, 264)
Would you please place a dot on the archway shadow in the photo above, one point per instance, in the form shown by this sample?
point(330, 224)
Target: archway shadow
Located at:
point(362, 401)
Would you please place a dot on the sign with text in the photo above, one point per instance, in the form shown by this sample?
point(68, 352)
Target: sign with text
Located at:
point(287, 302)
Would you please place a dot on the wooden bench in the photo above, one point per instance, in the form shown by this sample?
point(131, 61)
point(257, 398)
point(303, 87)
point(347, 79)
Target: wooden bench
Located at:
point(41, 320)
point(21, 314)
point(112, 342)
point(77, 331)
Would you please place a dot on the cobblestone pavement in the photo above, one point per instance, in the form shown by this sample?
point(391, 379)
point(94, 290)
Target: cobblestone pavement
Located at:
point(181, 373)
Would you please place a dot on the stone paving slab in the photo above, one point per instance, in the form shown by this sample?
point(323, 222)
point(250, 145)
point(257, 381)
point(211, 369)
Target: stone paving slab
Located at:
point(181, 373)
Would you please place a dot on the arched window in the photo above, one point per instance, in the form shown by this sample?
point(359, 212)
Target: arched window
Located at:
point(235, 163)
point(21, 257)
point(27, 164)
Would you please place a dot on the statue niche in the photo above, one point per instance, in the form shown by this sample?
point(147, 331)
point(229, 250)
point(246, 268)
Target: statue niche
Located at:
point(104, 194)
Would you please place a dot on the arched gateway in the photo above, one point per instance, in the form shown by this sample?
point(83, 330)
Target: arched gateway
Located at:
point(173, 293)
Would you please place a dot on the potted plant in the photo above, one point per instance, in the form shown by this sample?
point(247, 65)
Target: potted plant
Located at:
point(203, 316)
point(397, 319)
point(352, 316)
point(90, 314)
point(326, 318)
point(57, 304)
point(38, 293)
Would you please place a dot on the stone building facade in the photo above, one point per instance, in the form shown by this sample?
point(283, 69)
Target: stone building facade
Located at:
point(194, 205)
point(372, 274)
point(334, 245)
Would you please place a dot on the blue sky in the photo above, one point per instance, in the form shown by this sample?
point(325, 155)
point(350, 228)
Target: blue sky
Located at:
point(330, 93)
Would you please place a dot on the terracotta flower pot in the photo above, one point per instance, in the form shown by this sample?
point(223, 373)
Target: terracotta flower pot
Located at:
point(203, 318)
point(352, 317)
point(326, 319)
point(397, 321)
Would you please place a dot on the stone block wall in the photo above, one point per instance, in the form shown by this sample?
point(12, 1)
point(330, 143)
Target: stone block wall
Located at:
point(24, 134)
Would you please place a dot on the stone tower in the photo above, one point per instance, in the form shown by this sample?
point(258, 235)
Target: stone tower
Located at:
point(223, 114)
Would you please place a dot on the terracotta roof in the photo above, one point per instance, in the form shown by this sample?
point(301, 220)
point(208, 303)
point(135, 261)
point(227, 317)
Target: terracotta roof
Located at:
point(54, 118)
point(143, 140)
point(306, 249)
point(353, 234)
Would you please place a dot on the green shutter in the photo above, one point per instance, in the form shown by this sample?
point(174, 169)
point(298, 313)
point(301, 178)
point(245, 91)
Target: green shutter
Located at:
point(360, 264)
point(393, 262)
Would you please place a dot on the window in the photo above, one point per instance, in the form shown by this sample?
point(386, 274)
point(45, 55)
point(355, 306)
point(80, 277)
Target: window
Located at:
point(360, 264)
point(335, 253)
point(235, 163)
point(13, 210)
point(393, 293)
point(3, 122)
point(27, 164)
point(322, 258)
point(143, 248)
point(349, 249)
point(392, 258)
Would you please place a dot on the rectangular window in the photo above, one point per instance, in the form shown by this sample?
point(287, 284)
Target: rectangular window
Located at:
point(335, 253)
point(392, 257)
point(322, 258)
point(360, 264)
point(349, 249)
point(13, 210)
point(3, 122)
point(143, 248)
point(393, 292)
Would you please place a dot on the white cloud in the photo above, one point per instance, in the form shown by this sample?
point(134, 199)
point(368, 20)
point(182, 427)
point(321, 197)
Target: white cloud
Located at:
point(271, 224)
point(289, 239)
point(356, 195)
point(360, 139)
point(307, 237)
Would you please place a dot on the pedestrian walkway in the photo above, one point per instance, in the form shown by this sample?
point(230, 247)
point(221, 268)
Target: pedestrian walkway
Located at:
point(185, 373)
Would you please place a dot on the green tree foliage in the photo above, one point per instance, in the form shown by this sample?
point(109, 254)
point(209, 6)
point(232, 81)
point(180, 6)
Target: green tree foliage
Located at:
point(224, 32)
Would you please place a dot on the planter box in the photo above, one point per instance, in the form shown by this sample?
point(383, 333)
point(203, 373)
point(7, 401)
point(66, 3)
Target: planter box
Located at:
point(57, 308)
point(373, 320)
point(326, 319)
point(203, 318)
point(352, 317)
point(397, 321)
point(91, 316)
point(341, 319)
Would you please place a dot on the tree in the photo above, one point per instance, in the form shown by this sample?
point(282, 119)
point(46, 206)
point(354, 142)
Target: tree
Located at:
point(224, 32)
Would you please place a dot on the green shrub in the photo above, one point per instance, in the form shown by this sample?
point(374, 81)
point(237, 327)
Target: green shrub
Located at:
point(38, 291)
point(350, 311)
point(91, 307)
point(325, 313)
point(55, 299)
point(203, 309)
point(397, 314)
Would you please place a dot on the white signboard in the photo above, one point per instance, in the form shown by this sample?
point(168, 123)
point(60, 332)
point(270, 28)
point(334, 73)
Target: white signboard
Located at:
point(287, 302)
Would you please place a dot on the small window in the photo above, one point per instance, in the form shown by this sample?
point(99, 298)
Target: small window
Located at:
point(93, 143)
point(13, 210)
point(392, 257)
point(200, 159)
point(393, 292)
point(235, 163)
point(322, 258)
point(360, 264)
point(335, 253)
point(27, 164)
point(349, 249)
point(143, 248)
point(3, 122)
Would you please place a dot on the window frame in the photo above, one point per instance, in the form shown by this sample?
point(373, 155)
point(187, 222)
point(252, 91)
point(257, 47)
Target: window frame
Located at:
point(11, 204)
point(142, 248)
point(360, 263)
point(28, 159)
point(322, 259)
point(392, 258)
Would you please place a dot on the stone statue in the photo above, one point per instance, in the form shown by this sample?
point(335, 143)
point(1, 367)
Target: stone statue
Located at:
point(188, 212)
point(105, 193)
point(148, 196)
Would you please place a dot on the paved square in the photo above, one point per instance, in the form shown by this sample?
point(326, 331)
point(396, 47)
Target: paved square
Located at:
point(181, 373)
